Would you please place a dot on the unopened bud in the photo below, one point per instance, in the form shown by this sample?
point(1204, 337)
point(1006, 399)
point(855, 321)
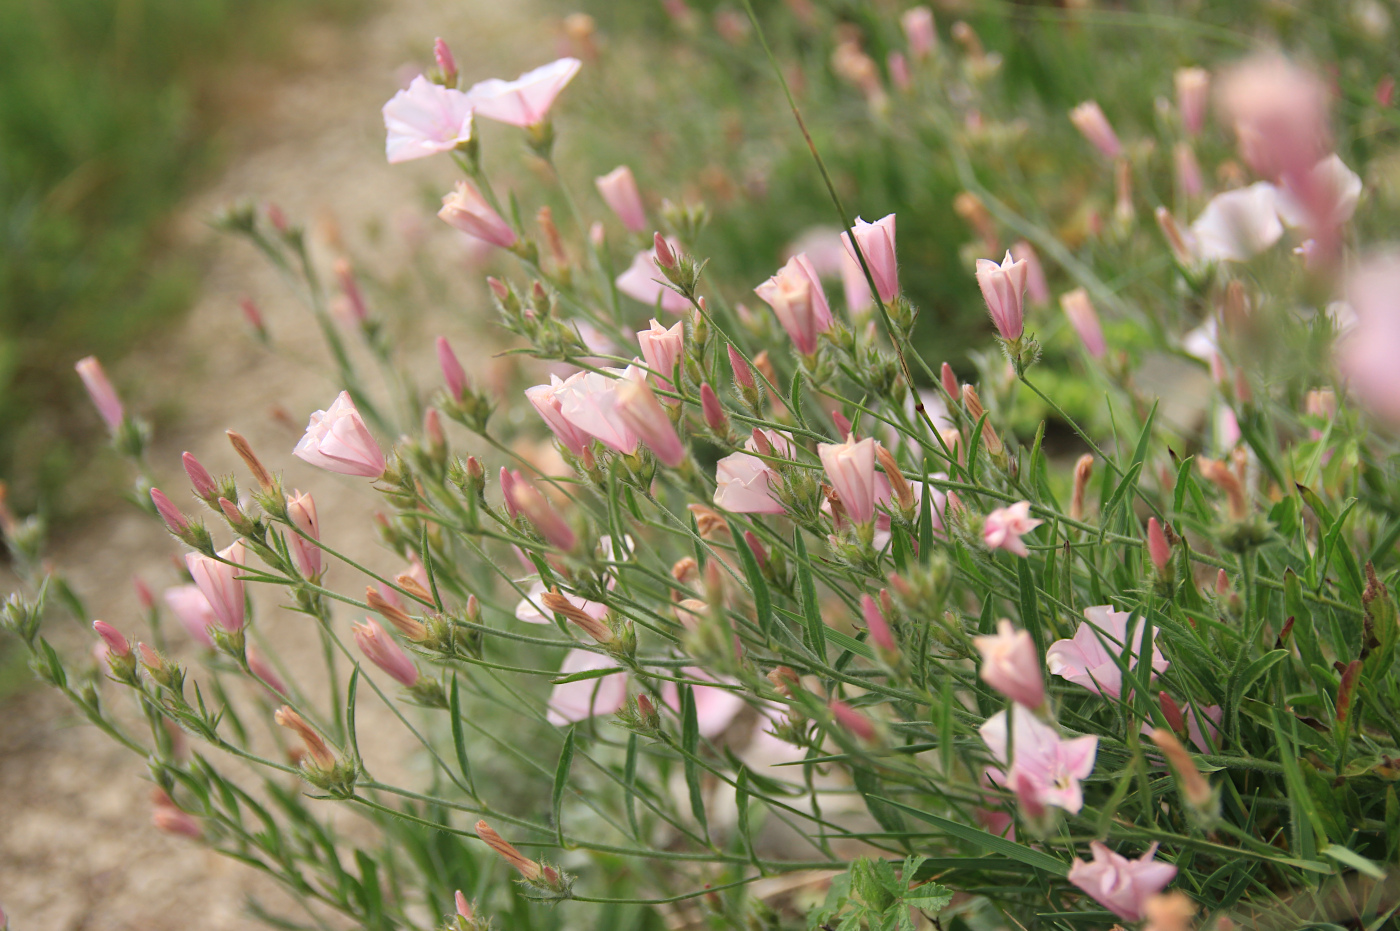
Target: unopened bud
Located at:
point(1158, 548)
point(853, 721)
point(498, 288)
point(204, 485)
point(1194, 787)
point(665, 257)
point(759, 553)
point(715, 417)
point(743, 375)
point(175, 521)
point(316, 748)
point(950, 381)
point(117, 645)
point(561, 605)
point(447, 64)
point(1172, 712)
point(1083, 471)
point(899, 485)
point(877, 626)
point(245, 452)
point(409, 626)
point(528, 868)
point(1227, 481)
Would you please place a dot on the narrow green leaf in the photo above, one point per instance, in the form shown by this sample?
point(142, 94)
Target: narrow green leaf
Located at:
point(1260, 666)
point(998, 845)
point(350, 692)
point(846, 642)
point(1125, 487)
point(629, 779)
point(690, 741)
point(1145, 437)
point(459, 736)
point(561, 782)
point(741, 804)
point(1354, 860)
point(795, 397)
point(1030, 610)
point(762, 598)
point(811, 610)
point(926, 521)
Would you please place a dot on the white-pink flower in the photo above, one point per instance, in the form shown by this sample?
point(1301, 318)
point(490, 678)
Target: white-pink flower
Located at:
point(1043, 769)
point(1011, 665)
point(424, 120)
point(715, 707)
point(1004, 290)
point(1085, 320)
point(192, 609)
point(638, 408)
point(745, 484)
point(546, 401)
point(467, 210)
point(580, 700)
point(618, 189)
point(1004, 528)
point(876, 241)
point(337, 440)
point(643, 282)
point(1366, 354)
point(661, 348)
point(1237, 225)
point(1121, 885)
point(218, 581)
point(526, 100)
point(798, 301)
point(588, 400)
point(1089, 659)
point(850, 467)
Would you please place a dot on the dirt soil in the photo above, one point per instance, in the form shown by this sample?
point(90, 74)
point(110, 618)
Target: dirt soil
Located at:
point(77, 848)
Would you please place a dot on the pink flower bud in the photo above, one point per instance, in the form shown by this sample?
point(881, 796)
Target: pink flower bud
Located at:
point(850, 467)
point(176, 522)
point(1157, 547)
point(1011, 665)
point(842, 423)
point(759, 553)
point(117, 645)
point(320, 754)
point(526, 100)
point(662, 349)
point(899, 71)
point(1172, 712)
point(919, 31)
point(643, 414)
point(743, 375)
point(445, 62)
point(950, 381)
point(464, 908)
point(877, 244)
point(877, 625)
point(538, 511)
point(149, 657)
point(619, 191)
point(1088, 118)
point(1192, 95)
point(509, 480)
point(1037, 289)
point(350, 289)
point(1004, 289)
point(715, 417)
point(302, 510)
point(1188, 170)
point(664, 256)
point(597, 234)
point(1085, 321)
point(798, 301)
point(219, 583)
point(204, 484)
point(337, 440)
point(253, 316)
point(104, 396)
point(469, 212)
point(260, 667)
point(172, 820)
point(1279, 112)
point(853, 721)
point(143, 593)
point(452, 372)
point(384, 652)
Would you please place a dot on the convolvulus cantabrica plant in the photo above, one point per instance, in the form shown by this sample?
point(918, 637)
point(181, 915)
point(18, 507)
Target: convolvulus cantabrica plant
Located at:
point(757, 618)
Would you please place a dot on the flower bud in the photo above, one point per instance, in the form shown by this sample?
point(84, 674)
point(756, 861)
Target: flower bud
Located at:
point(381, 650)
point(117, 645)
point(104, 396)
point(1172, 712)
point(759, 553)
point(899, 485)
point(743, 375)
point(853, 721)
point(410, 627)
point(1083, 471)
point(1089, 119)
point(528, 868)
point(259, 666)
point(950, 381)
point(1158, 548)
point(175, 521)
point(877, 626)
point(639, 409)
point(665, 257)
point(549, 522)
point(316, 748)
point(452, 373)
point(1194, 787)
point(592, 626)
point(250, 458)
point(447, 64)
point(715, 417)
point(204, 485)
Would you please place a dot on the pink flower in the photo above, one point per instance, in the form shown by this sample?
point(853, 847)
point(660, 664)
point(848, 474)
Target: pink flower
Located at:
point(189, 605)
point(1090, 658)
point(1046, 769)
point(469, 212)
point(1157, 547)
point(538, 511)
point(876, 241)
point(745, 483)
point(384, 652)
point(1036, 286)
point(260, 667)
point(639, 409)
point(854, 722)
point(715, 708)
point(337, 440)
point(104, 396)
point(1085, 321)
point(1011, 665)
point(1322, 199)
point(877, 627)
point(715, 417)
point(1004, 289)
point(509, 480)
point(898, 67)
point(302, 510)
point(580, 700)
point(1366, 354)
point(424, 120)
point(588, 401)
point(642, 282)
point(531, 609)
point(112, 638)
point(526, 100)
point(546, 401)
point(1004, 528)
point(1188, 170)
point(1237, 225)
point(1088, 118)
point(1121, 885)
point(171, 820)
point(919, 31)
point(850, 467)
point(662, 349)
point(619, 191)
point(1192, 95)
point(796, 296)
point(204, 485)
point(854, 285)
point(452, 372)
point(219, 583)
point(1279, 112)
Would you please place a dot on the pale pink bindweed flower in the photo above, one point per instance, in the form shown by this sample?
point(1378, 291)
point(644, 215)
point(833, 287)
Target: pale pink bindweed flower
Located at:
point(467, 210)
point(1043, 769)
point(1004, 528)
point(584, 698)
point(1090, 658)
point(745, 484)
point(662, 348)
point(589, 401)
point(715, 707)
point(526, 100)
point(1085, 320)
point(99, 388)
point(337, 440)
point(642, 281)
point(854, 285)
point(618, 189)
point(1192, 97)
point(192, 609)
point(545, 399)
point(639, 409)
point(217, 580)
point(302, 511)
point(425, 119)
point(1004, 290)
point(1237, 225)
point(1089, 119)
point(1280, 114)
point(171, 820)
point(877, 244)
point(1322, 200)
point(919, 31)
point(385, 652)
point(1011, 665)
point(1037, 288)
point(1121, 885)
point(1365, 355)
point(850, 467)
point(798, 301)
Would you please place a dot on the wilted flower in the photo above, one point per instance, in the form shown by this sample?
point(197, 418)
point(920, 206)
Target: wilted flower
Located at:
point(1090, 658)
point(1004, 528)
point(471, 213)
point(1121, 885)
point(337, 440)
point(426, 119)
point(526, 100)
point(1043, 769)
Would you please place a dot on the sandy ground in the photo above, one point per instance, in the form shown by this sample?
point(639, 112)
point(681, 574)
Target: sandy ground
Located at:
point(77, 850)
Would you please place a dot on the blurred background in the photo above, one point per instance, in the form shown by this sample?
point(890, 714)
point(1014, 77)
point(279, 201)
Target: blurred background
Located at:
point(125, 124)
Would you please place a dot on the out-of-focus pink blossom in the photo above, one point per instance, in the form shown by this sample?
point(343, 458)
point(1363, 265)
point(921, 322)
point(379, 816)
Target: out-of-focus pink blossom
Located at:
point(899, 71)
point(385, 652)
point(850, 467)
point(1089, 119)
point(877, 244)
point(1011, 665)
point(1158, 549)
point(854, 285)
point(1237, 225)
point(1366, 355)
point(1004, 528)
point(1188, 171)
point(877, 625)
point(526, 100)
point(261, 668)
point(856, 723)
point(171, 820)
point(662, 348)
point(546, 401)
point(1192, 97)
point(1090, 658)
point(1004, 289)
point(745, 484)
point(424, 120)
point(509, 480)
point(1323, 199)
point(189, 605)
point(538, 511)
point(1280, 113)
point(1085, 321)
point(302, 510)
point(919, 31)
point(619, 191)
point(580, 700)
point(1042, 768)
point(219, 583)
point(337, 440)
point(1121, 885)
point(715, 707)
point(99, 388)
point(644, 415)
point(452, 372)
point(1037, 289)
point(589, 401)
point(470, 212)
point(796, 296)
point(642, 281)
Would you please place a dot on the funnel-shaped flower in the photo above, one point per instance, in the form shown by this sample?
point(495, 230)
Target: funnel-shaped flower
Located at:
point(1045, 770)
point(850, 467)
point(1085, 320)
point(619, 191)
point(662, 348)
point(1089, 658)
point(1004, 289)
point(219, 583)
point(382, 650)
point(639, 409)
point(104, 396)
point(588, 400)
point(546, 401)
point(1237, 225)
point(337, 440)
point(876, 241)
point(1011, 665)
point(1121, 885)
point(469, 212)
point(189, 605)
point(424, 120)
point(746, 484)
point(526, 100)
point(796, 296)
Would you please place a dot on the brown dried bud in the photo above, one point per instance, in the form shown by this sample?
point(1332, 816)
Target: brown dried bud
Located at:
point(250, 458)
point(784, 679)
point(315, 747)
point(1227, 481)
point(1194, 786)
point(1083, 471)
point(527, 867)
point(409, 626)
point(903, 493)
point(561, 605)
point(685, 571)
point(708, 522)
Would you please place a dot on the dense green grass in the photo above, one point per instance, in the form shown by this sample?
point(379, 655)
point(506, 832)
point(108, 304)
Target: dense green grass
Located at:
point(109, 111)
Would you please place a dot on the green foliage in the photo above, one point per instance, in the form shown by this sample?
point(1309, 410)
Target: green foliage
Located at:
point(872, 895)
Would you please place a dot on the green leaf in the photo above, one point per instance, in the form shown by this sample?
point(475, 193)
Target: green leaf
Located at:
point(762, 598)
point(846, 642)
point(931, 897)
point(1260, 666)
point(350, 692)
point(926, 520)
point(1128, 483)
point(811, 610)
point(867, 783)
point(1145, 437)
point(459, 737)
point(561, 782)
point(741, 806)
point(629, 779)
point(1354, 860)
point(1030, 611)
point(998, 845)
point(690, 741)
point(795, 398)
